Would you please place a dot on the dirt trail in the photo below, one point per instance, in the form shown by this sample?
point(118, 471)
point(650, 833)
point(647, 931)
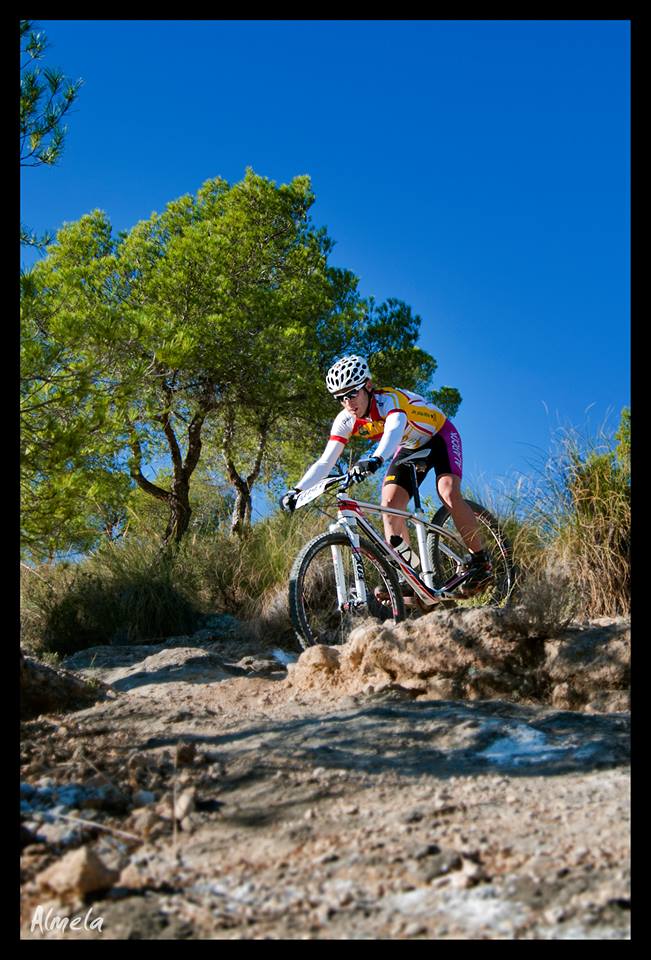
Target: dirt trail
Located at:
point(424, 782)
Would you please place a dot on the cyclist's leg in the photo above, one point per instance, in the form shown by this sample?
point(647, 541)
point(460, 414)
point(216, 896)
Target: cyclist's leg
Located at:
point(449, 490)
point(448, 463)
point(396, 496)
point(393, 495)
point(397, 491)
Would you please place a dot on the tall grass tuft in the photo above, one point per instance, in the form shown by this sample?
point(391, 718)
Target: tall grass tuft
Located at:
point(577, 522)
point(133, 590)
point(127, 592)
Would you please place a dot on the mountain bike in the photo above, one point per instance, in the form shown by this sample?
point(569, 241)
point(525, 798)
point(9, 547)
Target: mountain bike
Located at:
point(351, 572)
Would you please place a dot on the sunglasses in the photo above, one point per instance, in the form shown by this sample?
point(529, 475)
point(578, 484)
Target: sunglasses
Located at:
point(350, 395)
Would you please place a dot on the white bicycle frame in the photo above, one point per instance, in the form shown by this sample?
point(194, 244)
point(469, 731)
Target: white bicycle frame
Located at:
point(350, 518)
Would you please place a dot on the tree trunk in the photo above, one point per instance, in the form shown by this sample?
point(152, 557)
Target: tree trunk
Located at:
point(243, 508)
point(241, 518)
point(180, 512)
point(178, 498)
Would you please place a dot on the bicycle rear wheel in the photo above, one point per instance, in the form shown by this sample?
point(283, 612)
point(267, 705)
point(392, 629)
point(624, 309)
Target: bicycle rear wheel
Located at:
point(313, 603)
point(500, 591)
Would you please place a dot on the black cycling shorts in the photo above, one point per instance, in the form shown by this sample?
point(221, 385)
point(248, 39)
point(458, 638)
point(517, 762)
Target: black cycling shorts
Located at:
point(445, 456)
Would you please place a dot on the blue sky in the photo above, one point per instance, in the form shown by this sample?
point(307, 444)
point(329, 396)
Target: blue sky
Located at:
point(477, 169)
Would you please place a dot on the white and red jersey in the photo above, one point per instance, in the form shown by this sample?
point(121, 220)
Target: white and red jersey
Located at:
point(420, 423)
point(398, 417)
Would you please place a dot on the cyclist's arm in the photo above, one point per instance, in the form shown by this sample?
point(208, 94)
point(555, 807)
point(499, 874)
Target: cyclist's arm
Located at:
point(394, 428)
point(340, 434)
point(322, 467)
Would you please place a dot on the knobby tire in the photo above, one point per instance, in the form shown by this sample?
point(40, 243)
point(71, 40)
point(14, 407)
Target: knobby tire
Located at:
point(313, 602)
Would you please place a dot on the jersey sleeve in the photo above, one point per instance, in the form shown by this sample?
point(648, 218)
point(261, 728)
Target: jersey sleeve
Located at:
point(343, 426)
point(340, 434)
point(394, 428)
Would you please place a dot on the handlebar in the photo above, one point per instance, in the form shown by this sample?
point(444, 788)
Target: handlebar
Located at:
point(342, 482)
point(306, 496)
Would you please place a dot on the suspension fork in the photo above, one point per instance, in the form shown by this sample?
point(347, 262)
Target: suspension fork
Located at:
point(349, 527)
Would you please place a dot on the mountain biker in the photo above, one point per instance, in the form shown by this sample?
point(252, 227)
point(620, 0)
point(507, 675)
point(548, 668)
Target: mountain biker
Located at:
point(404, 421)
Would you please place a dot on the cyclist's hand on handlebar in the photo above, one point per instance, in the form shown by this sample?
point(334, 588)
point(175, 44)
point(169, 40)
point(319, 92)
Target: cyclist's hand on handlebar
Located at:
point(288, 500)
point(364, 467)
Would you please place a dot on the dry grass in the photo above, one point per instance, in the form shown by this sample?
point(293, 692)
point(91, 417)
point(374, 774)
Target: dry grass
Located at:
point(569, 527)
point(580, 514)
point(133, 590)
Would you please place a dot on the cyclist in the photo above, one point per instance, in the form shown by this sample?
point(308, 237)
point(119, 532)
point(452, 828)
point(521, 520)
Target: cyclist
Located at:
point(404, 422)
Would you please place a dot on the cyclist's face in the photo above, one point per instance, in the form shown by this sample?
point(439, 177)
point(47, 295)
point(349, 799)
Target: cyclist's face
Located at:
point(358, 404)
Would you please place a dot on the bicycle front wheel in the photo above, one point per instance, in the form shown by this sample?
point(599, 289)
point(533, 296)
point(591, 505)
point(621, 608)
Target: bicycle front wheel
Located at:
point(446, 555)
point(317, 613)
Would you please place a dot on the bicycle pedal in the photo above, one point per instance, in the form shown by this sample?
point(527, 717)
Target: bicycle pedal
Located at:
point(471, 590)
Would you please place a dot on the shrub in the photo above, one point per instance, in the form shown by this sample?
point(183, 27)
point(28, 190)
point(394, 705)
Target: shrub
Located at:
point(579, 521)
point(126, 592)
point(133, 590)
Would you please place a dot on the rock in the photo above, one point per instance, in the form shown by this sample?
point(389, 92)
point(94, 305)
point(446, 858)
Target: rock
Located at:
point(185, 803)
point(144, 821)
point(426, 850)
point(45, 689)
point(132, 878)
point(413, 816)
point(126, 668)
point(144, 797)
point(319, 658)
point(590, 666)
point(440, 864)
point(29, 834)
point(79, 873)
point(259, 665)
point(472, 654)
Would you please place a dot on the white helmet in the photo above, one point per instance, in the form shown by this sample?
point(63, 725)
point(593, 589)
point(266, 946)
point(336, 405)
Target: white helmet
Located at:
point(346, 374)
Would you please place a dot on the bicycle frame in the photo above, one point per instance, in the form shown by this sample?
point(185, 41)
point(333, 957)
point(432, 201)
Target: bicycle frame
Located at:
point(350, 517)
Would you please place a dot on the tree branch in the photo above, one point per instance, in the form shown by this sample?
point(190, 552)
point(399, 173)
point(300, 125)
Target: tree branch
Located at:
point(173, 443)
point(137, 474)
point(194, 445)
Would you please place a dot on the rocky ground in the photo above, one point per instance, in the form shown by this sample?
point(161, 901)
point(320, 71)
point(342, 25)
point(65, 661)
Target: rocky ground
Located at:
point(460, 776)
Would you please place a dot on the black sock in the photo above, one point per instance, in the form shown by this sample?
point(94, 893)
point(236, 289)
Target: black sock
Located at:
point(479, 557)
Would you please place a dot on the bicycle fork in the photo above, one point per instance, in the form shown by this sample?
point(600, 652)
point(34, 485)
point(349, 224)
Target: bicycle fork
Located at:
point(345, 601)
